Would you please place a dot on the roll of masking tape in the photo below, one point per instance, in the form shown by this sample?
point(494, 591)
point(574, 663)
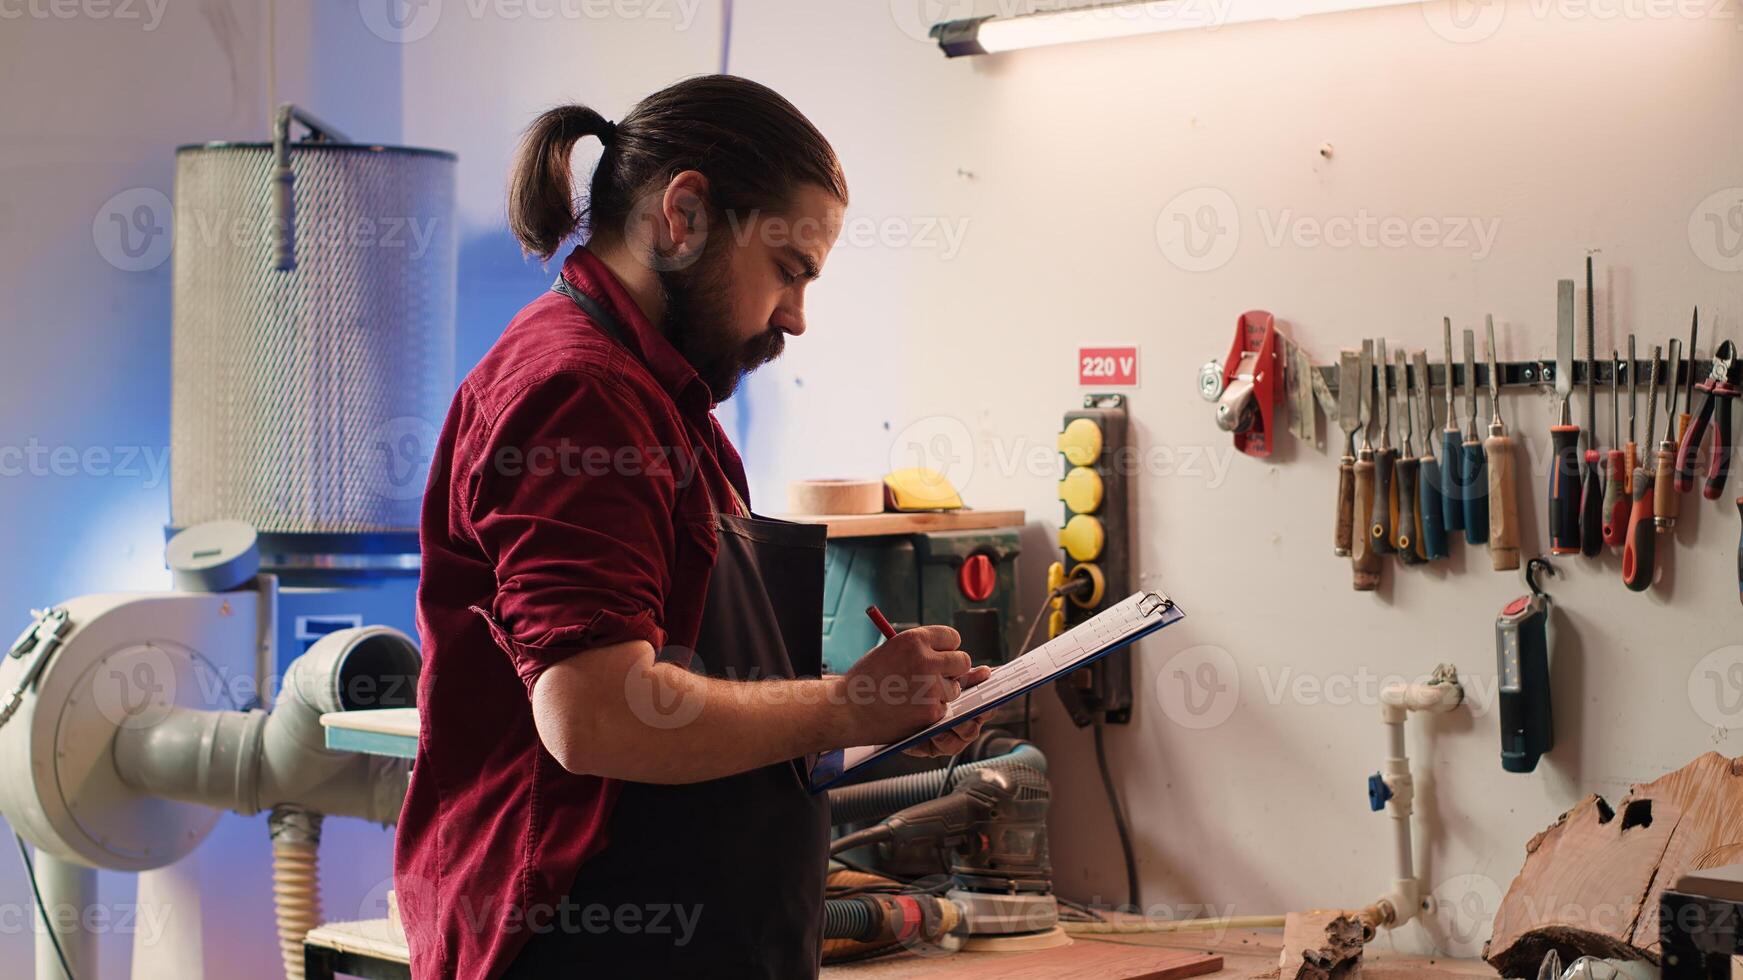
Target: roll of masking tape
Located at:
point(835, 497)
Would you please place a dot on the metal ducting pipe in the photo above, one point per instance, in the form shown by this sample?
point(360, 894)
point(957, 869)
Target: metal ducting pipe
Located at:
point(253, 761)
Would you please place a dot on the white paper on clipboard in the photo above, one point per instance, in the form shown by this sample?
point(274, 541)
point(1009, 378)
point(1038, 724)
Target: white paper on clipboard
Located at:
point(1128, 620)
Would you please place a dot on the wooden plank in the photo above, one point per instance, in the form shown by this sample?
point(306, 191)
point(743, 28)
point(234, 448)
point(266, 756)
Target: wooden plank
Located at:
point(1592, 880)
point(1084, 960)
point(1323, 944)
point(870, 525)
point(386, 731)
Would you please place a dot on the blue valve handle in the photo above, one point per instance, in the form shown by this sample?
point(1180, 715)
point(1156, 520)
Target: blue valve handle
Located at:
point(1378, 792)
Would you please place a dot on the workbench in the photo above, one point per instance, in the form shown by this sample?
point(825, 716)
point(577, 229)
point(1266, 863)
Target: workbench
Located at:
point(374, 949)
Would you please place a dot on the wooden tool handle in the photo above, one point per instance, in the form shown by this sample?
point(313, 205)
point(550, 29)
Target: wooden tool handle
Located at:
point(1346, 516)
point(1365, 562)
point(1638, 554)
point(1688, 448)
point(1503, 504)
point(1476, 495)
point(1630, 463)
point(1665, 499)
point(1564, 490)
point(1385, 504)
point(1452, 484)
point(1404, 528)
point(1432, 538)
point(1616, 499)
point(1592, 506)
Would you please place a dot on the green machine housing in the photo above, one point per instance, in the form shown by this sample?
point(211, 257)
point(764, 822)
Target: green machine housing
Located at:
point(964, 579)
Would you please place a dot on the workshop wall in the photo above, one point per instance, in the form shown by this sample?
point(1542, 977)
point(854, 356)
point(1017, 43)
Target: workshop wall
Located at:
point(1514, 141)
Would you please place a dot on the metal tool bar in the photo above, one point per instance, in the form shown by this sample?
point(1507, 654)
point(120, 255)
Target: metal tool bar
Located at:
point(1534, 374)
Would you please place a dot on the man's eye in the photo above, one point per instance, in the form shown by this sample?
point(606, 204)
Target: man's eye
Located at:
point(787, 276)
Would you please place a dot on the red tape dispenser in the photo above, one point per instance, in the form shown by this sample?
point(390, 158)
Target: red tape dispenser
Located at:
point(1252, 384)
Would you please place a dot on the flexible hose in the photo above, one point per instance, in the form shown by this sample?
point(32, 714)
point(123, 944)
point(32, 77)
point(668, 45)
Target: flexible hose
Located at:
point(879, 799)
point(1175, 925)
point(848, 918)
point(296, 885)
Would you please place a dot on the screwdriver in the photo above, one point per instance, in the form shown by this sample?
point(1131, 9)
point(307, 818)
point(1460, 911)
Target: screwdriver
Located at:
point(1631, 454)
point(1688, 402)
point(1385, 492)
point(1615, 487)
point(1592, 489)
point(1503, 498)
point(1564, 476)
point(1348, 400)
point(1405, 528)
point(1431, 542)
point(1476, 495)
point(1452, 483)
point(1365, 563)
point(1665, 498)
point(1638, 553)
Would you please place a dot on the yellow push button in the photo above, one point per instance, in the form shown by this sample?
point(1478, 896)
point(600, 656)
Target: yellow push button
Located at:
point(1081, 490)
point(1083, 537)
point(1080, 442)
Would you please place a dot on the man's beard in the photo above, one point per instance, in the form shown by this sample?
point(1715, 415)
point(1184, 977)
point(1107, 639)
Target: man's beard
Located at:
point(695, 321)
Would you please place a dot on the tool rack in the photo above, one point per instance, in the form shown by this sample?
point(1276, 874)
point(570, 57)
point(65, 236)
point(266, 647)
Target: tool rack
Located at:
point(1538, 374)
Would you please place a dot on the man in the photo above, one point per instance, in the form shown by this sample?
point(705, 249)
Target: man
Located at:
point(621, 681)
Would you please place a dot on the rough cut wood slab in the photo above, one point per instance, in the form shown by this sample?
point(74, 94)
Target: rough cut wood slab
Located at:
point(1084, 961)
point(1592, 880)
point(1323, 944)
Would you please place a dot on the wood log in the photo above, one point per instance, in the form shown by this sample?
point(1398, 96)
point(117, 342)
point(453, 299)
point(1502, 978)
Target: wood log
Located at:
point(1324, 944)
point(1592, 880)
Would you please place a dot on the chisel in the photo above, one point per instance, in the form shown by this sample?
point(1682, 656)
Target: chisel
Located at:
point(1349, 398)
point(1503, 498)
point(1592, 489)
point(1365, 563)
point(1406, 529)
point(1385, 491)
point(1638, 553)
point(1664, 496)
point(1476, 496)
point(1631, 453)
point(1564, 477)
point(1688, 401)
point(1452, 484)
point(1615, 487)
point(1431, 543)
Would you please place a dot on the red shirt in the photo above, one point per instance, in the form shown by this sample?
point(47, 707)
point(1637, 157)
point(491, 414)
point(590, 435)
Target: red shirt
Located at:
point(569, 507)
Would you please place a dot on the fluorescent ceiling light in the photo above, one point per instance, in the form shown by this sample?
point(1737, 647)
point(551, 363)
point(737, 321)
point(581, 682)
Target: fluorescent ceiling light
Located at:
point(990, 35)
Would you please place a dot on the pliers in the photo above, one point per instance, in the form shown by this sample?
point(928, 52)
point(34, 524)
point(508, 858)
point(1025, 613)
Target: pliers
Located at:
point(1721, 390)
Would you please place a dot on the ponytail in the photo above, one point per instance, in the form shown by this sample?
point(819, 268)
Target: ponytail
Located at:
point(541, 203)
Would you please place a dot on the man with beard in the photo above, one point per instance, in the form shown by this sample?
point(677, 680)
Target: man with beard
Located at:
point(622, 685)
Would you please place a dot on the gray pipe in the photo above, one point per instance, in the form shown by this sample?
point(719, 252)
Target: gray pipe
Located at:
point(877, 800)
point(255, 760)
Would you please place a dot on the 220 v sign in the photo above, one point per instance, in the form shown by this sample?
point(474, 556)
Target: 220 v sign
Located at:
point(1107, 367)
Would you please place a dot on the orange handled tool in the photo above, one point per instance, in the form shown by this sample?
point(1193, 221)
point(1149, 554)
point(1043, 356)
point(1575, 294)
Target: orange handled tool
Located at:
point(1616, 497)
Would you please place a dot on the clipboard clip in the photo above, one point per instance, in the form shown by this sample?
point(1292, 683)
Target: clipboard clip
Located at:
point(1153, 603)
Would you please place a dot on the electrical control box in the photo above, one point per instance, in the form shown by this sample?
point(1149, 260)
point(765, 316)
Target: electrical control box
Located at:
point(1095, 542)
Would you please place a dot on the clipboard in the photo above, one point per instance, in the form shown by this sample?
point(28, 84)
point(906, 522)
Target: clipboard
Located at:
point(1120, 625)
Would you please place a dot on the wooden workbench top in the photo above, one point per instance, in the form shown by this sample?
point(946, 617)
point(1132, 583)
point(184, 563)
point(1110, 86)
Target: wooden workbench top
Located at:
point(871, 525)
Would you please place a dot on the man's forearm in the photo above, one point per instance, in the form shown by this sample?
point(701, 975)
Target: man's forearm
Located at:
point(674, 726)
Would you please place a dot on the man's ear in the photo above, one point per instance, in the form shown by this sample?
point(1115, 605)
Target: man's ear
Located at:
point(684, 217)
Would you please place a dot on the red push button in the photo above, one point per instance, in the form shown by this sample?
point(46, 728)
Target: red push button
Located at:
point(1517, 606)
point(977, 577)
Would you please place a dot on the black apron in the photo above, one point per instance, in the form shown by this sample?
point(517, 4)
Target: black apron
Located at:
point(733, 868)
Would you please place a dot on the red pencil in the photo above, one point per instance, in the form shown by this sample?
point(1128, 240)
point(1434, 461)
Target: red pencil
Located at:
point(883, 625)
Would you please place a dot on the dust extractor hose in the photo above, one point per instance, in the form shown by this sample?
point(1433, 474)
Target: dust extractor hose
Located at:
point(877, 800)
point(296, 884)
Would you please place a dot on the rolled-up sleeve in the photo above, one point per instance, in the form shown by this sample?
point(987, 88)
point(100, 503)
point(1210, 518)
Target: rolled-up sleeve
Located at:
point(572, 502)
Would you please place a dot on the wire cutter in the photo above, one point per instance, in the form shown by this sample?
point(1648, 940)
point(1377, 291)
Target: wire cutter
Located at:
point(1721, 390)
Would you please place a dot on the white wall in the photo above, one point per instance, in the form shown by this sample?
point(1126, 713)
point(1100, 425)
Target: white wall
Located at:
point(1054, 168)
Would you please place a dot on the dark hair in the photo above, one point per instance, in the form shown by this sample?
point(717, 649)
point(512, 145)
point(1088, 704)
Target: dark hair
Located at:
point(752, 145)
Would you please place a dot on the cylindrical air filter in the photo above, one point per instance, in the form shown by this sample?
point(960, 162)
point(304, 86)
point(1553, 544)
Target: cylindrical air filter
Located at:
point(314, 339)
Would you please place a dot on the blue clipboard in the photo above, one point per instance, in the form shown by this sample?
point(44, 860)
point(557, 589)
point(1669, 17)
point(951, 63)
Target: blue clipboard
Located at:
point(831, 766)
